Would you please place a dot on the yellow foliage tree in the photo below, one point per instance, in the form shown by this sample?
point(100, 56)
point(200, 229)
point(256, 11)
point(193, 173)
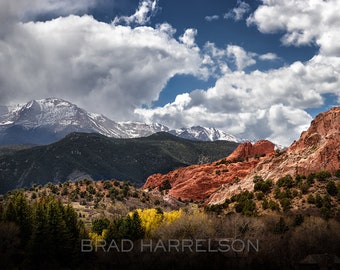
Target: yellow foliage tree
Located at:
point(152, 218)
point(97, 238)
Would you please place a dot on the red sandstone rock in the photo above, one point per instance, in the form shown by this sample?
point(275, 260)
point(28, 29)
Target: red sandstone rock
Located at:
point(198, 182)
point(247, 150)
point(317, 149)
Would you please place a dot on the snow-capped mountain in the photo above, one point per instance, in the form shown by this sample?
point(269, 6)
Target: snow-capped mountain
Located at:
point(47, 120)
point(204, 134)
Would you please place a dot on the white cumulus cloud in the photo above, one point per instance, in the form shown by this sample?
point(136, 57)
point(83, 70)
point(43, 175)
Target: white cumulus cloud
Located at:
point(241, 58)
point(238, 13)
point(303, 21)
point(102, 67)
point(146, 9)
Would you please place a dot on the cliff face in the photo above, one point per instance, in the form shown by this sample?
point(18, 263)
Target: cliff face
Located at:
point(317, 149)
point(198, 182)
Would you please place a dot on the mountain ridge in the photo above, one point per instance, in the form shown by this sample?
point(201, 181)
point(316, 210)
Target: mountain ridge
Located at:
point(95, 156)
point(48, 120)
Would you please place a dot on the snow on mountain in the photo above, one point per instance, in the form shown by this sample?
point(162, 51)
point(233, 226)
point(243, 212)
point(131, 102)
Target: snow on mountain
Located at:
point(204, 134)
point(47, 120)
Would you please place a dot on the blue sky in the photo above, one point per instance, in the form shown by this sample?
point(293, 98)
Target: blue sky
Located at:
point(257, 69)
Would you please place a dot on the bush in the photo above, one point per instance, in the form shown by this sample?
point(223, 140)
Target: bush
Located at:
point(298, 220)
point(310, 178)
point(257, 178)
point(259, 195)
point(246, 207)
point(215, 208)
point(304, 187)
point(323, 175)
point(264, 186)
point(325, 212)
point(274, 206)
point(285, 204)
point(337, 173)
point(299, 178)
point(318, 201)
point(165, 185)
point(280, 227)
point(311, 199)
point(107, 185)
point(91, 190)
point(286, 181)
point(331, 188)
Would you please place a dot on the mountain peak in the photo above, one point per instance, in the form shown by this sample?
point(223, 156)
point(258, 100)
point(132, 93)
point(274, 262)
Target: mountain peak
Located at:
point(47, 120)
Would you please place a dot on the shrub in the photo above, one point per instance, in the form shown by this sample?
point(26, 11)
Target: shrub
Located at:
point(265, 204)
point(242, 196)
point(215, 208)
point(257, 178)
point(337, 173)
point(299, 178)
point(165, 185)
point(246, 207)
point(264, 186)
point(285, 204)
point(311, 199)
point(323, 175)
point(280, 227)
point(325, 212)
point(107, 185)
point(295, 193)
point(298, 220)
point(91, 190)
point(310, 178)
point(259, 195)
point(274, 206)
point(304, 187)
point(331, 188)
point(286, 181)
point(318, 201)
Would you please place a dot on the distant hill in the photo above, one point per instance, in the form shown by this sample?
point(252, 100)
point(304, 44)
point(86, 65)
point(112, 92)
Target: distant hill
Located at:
point(88, 155)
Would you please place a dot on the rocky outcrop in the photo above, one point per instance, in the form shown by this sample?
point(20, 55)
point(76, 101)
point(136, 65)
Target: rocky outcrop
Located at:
point(317, 149)
point(198, 182)
point(248, 150)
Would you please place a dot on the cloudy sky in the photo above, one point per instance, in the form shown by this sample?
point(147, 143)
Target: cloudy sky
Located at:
point(257, 69)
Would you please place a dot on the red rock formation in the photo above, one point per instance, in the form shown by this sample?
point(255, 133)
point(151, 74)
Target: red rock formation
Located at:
point(247, 150)
point(198, 182)
point(317, 149)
